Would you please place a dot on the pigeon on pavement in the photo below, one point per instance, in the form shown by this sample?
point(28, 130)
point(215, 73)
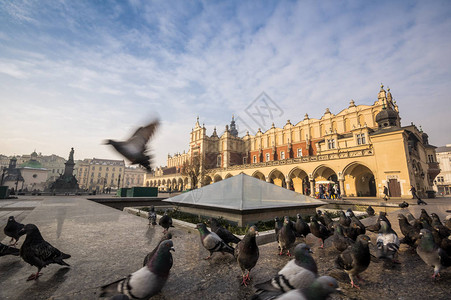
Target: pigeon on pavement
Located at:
point(320, 289)
point(431, 254)
point(377, 226)
point(7, 250)
point(411, 233)
point(149, 256)
point(298, 273)
point(387, 243)
point(344, 219)
point(286, 236)
point(152, 216)
point(341, 242)
point(134, 149)
point(404, 204)
point(370, 211)
point(301, 226)
point(278, 224)
point(12, 229)
point(319, 230)
point(212, 242)
point(165, 222)
point(246, 253)
point(355, 259)
point(223, 233)
point(39, 253)
point(425, 216)
point(443, 231)
point(147, 281)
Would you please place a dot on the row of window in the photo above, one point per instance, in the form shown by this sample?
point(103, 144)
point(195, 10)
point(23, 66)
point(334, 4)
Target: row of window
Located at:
point(267, 157)
point(440, 179)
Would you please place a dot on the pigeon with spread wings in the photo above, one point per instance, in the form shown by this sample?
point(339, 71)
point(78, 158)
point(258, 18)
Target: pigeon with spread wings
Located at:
point(134, 149)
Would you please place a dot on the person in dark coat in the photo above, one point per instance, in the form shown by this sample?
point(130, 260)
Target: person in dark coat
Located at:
point(386, 193)
point(321, 191)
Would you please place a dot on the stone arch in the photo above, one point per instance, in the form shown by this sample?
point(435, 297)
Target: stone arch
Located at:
point(359, 180)
point(148, 183)
point(163, 182)
point(180, 184)
point(228, 176)
point(174, 184)
point(325, 178)
point(185, 182)
point(217, 178)
point(299, 180)
point(159, 182)
point(259, 175)
point(276, 177)
point(207, 180)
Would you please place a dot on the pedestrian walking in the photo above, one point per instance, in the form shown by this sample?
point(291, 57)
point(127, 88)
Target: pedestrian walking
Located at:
point(386, 193)
point(413, 190)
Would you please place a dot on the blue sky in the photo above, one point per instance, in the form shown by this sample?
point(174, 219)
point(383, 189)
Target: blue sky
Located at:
point(73, 73)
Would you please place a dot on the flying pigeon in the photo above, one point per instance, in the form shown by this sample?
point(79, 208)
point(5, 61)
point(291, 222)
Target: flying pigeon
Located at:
point(152, 216)
point(411, 233)
point(431, 254)
point(12, 229)
point(223, 233)
point(387, 243)
point(301, 226)
point(147, 281)
point(165, 221)
point(341, 242)
point(246, 253)
point(39, 253)
point(298, 273)
point(286, 236)
point(355, 259)
point(370, 211)
point(212, 242)
point(165, 237)
point(320, 289)
point(7, 250)
point(134, 149)
point(319, 230)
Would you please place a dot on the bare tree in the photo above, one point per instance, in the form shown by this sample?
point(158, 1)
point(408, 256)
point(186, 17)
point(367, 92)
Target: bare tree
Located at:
point(192, 169)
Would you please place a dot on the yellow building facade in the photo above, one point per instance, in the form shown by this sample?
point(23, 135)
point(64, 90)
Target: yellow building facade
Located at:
point(360, 150)
point(100, 174)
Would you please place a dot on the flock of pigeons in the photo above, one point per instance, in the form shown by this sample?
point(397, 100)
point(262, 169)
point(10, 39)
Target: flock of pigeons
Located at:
point(298, 279)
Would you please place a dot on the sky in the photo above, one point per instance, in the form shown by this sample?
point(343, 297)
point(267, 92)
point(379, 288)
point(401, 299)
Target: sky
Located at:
point(74, 73)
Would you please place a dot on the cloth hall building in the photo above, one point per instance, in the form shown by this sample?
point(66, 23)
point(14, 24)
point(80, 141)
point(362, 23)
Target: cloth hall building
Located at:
point(361, 149)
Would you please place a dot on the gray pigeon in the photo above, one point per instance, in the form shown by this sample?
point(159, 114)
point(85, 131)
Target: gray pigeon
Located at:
point(165, 221)
point(355, 259)
point(7, 250)
point(212, 242)
point(246, 253)
point(12, 229)
point(152, 216)
point(431, 254)
point(298, 273)
point(320, 289)
point(147, 281)
point(341, 242)
point(387, 243)
point(278, 224)
point(301, 226)
point(370, 211)
point(134, 149)
point(223, 233)
point(165, 237)
point(39, 253)
point(286, 236)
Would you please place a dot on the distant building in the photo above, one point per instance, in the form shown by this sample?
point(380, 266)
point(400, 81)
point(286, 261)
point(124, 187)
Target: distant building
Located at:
point(100, 174)
point(442, 182)
point(134, 176)
point(360, 149)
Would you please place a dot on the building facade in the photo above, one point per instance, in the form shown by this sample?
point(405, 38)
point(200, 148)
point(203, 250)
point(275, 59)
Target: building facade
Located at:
point(361, 149)
point(133, 176)
point(100, 175)
point(442, 183)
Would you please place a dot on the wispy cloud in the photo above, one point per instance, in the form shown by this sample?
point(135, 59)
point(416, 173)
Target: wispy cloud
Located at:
point(73, 73)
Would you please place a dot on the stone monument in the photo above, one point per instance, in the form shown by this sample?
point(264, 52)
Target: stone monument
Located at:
point(66, 183)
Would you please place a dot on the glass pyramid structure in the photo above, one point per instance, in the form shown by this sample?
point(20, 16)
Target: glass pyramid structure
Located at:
point(243, 192)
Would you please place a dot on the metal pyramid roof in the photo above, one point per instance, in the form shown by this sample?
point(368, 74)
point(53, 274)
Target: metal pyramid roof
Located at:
point(243, 192)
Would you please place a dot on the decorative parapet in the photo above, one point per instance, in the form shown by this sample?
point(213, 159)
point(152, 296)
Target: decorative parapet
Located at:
point(291, 161)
